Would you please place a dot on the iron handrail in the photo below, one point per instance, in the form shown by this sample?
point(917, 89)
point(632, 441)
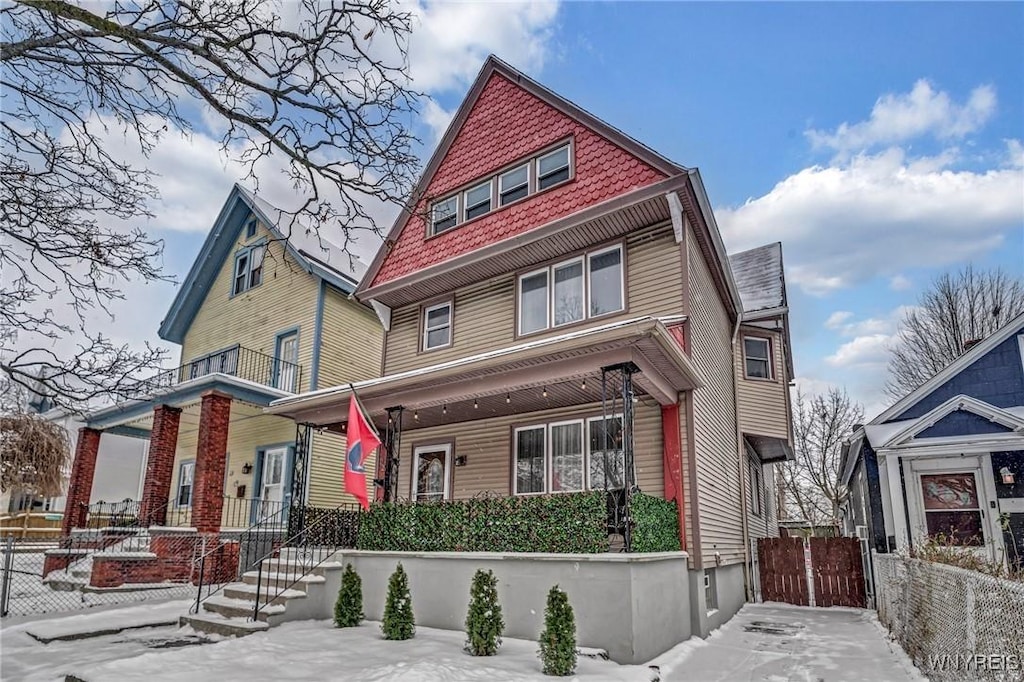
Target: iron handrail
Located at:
point(239, 361)
point(308, 539)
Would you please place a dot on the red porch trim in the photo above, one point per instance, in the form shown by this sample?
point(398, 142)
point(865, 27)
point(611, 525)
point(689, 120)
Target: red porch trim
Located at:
point(673, 465)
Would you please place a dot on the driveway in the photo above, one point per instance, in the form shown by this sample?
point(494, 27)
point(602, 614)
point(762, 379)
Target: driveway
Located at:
point(777, 642)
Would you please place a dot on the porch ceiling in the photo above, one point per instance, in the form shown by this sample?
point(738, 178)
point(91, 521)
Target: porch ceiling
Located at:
point(513, 380)
point(621, 215)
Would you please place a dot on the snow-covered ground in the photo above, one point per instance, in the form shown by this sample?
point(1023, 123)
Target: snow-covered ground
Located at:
point(764, 642)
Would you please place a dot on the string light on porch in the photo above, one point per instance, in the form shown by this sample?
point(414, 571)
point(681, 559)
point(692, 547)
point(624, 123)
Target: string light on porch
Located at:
point(416, 415)
point(444, 409)
point(476, 405)
point(583, 384)
point(545, 392)
point(508, 398)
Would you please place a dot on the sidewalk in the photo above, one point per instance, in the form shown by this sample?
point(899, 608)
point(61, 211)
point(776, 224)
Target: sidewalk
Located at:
point(772, 642)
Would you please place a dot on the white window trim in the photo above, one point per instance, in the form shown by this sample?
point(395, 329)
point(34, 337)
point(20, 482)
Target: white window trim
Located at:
point(529, 184)
point(515, 459)
point(440, 447)
point(568, 146)
point(586, 445)
point(191, 485)
point(768, 354)
point(550, 455)
point(457, 198)
point(466, 206)
point(583, 287)
point(519, 301)
point(622, 280)
point(427, 329)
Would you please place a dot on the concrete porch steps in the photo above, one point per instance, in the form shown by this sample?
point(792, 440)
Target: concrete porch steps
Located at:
point(293, 597)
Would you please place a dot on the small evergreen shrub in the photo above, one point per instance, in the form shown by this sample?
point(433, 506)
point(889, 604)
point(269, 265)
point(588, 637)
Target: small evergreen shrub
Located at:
point(558, 641)
point(398, 621)
point(484, 624)
point(348, 610)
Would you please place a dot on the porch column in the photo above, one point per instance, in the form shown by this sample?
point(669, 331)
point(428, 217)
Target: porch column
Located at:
point(673, 464)
point(208, 499)
point(163, 443)
point(76, 508)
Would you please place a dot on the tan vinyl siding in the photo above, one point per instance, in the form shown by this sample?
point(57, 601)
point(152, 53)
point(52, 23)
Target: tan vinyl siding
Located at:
point(327, 471)
point(487, 446)
point(762, 402)
point(719, 510)
point(684, 449)
point(285, 299)
point(352, 341)
point(485, 313)
point(765, 524)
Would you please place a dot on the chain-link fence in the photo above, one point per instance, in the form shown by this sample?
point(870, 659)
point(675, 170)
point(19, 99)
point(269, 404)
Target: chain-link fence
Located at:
point(82, 571)
point(954, 623)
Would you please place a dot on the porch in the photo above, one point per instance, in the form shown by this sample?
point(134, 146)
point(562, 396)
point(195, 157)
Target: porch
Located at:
point(202, 470)
point(591, 410)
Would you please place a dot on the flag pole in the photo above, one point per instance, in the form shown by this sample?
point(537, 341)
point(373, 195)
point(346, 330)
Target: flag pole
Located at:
point(362, 408)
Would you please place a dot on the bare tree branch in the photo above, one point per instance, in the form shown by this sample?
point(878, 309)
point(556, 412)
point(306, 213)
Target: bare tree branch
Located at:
point(321, 88)
point(960, 307)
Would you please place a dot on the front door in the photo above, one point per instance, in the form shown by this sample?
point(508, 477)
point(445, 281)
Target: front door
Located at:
point(430, 480)
point(272, 481)
point(948, 499)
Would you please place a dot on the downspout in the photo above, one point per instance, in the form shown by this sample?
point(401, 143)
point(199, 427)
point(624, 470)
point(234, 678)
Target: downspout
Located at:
point(740, 453)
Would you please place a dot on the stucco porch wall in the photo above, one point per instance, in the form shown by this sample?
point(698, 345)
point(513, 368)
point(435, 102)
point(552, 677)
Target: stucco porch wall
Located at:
point(635, 606)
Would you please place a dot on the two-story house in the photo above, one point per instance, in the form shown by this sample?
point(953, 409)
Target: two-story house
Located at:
point(264, 313)
point(561, 315)
point(945, 463)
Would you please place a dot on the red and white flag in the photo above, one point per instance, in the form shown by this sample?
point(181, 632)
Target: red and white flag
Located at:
point(361, 440)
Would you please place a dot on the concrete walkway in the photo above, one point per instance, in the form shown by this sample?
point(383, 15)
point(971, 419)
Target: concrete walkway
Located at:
point(777, 642)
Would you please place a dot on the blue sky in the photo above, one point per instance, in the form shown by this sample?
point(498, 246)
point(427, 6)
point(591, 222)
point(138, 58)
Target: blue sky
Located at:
point(880, 142)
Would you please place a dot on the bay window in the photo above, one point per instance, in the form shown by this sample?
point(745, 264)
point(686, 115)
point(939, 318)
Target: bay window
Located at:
point(757, 357)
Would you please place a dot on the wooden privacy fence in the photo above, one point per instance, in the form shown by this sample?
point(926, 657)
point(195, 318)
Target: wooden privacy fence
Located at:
point(836, 567)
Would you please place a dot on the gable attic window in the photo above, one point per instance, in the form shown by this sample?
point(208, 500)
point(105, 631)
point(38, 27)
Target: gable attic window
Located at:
point(553, 168)
point(477, 200)
point(250, 227)
point(445, 215)
point(514, 185)
point(248, 269)
point(757, 357)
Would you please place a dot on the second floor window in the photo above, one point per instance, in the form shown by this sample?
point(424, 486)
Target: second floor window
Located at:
point(757, 357)
point(570, 291)
point(437, 326)
point(248, 269)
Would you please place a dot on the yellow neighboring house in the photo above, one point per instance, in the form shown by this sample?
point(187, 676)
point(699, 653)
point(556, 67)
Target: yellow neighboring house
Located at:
point(263, 314)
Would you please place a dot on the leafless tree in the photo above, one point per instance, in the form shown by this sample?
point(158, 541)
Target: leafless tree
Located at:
point(958, 308)
point(321, 88)
point(810, 484)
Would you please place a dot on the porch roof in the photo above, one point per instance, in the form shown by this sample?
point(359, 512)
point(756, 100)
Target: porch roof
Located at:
point(126, 413)
point(769, 449)
point(645, 341)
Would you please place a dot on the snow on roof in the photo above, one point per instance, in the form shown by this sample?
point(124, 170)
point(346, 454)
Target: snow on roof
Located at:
point(759, 277)
point(307, 240)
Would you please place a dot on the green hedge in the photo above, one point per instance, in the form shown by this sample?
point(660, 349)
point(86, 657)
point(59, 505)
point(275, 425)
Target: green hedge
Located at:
point(655, 524)
point(568, 523)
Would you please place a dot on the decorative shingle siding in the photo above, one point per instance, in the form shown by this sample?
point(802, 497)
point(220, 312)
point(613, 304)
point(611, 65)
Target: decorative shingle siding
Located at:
point(719, 512)
point(996, 378)
point(507, 124)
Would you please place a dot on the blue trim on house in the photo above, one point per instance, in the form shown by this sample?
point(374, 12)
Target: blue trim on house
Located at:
point(218, 245)
point(129, 431)
point(110, 417)
point(278, 337)
point(318, 333)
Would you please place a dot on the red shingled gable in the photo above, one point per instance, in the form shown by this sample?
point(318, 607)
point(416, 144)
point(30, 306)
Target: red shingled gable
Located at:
point(506, 124)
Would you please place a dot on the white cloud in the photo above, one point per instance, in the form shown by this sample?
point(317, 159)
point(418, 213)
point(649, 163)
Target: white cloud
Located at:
point(900, 283)
point(900, 117)
point(877, 215)
point(862, 350)
point(450, 40)
point(437, 118)
point(837, 319)
point(1014, 154)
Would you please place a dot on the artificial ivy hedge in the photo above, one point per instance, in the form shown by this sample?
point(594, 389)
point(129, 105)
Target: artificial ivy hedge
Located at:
point(655, 524)
point(567, 523)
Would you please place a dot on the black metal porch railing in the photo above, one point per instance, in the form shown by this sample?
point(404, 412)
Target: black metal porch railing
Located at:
point(237, 512)
point(315, 542)
point(237, 361)
point(123, 514)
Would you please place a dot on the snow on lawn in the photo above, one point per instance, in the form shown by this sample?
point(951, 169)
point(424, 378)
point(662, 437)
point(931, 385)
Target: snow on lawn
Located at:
point(316, 650)
point(73, 627)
